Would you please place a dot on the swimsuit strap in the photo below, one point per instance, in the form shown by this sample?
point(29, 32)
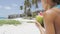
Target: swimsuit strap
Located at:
point(57, 6)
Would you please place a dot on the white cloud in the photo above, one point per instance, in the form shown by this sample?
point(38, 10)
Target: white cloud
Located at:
point(7, 7)
point(14, 5)
point(0, 6)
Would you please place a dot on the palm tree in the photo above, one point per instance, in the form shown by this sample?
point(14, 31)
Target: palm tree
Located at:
point(36, 2)
point(21, 7)
point(29, 13)
point(27, 4)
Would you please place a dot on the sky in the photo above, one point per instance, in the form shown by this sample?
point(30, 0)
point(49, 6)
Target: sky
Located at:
point(8, 7)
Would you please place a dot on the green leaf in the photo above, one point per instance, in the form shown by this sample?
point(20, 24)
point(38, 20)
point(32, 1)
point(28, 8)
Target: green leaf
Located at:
point(21, 7)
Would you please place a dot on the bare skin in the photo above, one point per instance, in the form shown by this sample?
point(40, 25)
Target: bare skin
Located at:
point(46, 7)
point(49, 17)
point(57, 21)
point(42, 30)
point(52, 21)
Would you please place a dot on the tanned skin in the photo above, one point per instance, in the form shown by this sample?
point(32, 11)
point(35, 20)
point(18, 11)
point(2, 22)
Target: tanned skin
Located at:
point(51, 20)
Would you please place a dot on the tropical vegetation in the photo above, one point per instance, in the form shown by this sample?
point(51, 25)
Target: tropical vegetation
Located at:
point(28, 5)
point(9, 22)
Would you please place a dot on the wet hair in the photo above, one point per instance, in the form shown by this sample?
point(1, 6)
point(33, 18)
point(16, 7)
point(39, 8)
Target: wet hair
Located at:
point(56, 1)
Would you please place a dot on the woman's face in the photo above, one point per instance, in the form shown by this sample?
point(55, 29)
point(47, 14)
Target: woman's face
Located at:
point(47, 4)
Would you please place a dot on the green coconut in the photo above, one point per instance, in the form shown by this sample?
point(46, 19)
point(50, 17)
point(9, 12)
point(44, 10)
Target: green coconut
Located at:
point(40, 20)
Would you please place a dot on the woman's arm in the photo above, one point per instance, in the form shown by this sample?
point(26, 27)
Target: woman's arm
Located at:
point(49, 17)
point(42, 30)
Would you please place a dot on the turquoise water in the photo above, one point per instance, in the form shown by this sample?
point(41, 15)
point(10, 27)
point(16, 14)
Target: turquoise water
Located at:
point(3, 18)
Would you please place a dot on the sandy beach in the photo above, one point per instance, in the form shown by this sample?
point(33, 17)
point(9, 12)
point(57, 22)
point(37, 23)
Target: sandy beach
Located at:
point(24, 28)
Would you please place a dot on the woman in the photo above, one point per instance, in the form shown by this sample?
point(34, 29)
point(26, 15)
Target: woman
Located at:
point(51, 17)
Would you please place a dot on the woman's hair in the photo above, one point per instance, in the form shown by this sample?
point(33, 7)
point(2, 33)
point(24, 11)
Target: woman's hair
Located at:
point(56, 1)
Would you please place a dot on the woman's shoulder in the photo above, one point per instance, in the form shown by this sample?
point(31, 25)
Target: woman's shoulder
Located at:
point(49, 12)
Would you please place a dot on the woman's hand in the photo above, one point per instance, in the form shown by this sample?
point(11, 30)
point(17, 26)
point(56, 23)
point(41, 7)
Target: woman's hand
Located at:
point(38, 24)
point(42, 30)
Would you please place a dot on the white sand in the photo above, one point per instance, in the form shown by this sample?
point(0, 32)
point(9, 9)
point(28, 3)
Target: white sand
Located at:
point(24, 28)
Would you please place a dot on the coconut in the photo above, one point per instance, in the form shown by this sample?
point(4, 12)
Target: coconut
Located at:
point(40, 19)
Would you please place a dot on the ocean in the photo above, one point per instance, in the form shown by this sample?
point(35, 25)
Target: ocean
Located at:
point(3, 18)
